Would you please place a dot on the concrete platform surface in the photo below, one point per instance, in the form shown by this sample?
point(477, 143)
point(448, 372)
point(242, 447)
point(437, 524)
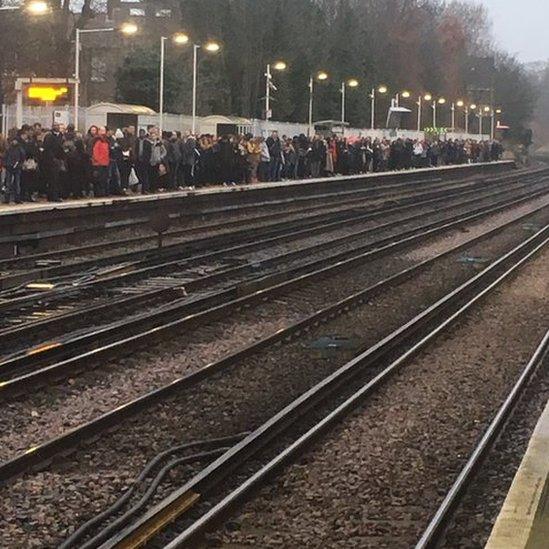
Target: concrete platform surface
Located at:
point(523, 521)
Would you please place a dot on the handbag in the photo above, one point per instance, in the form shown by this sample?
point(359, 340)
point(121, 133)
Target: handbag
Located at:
point(133, 179)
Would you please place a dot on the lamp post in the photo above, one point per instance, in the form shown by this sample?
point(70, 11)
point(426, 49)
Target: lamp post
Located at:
point(427, 97)
point(34, 7)
point(211, 47)
point(440, 101)
point(352, 83)
point(127, 28)
point(472, 107)
point(279, 66)
point(404, 95)
point(460, 104)
point(493, 122)
point(381, 89)
point(179, 38)
point(494, 112)
point(320, 76)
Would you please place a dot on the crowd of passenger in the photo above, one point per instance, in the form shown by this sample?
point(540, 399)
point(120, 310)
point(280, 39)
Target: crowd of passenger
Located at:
point(61, 163)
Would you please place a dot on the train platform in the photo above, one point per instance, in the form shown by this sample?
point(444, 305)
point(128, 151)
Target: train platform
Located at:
point(20, 209)
point(523, 521)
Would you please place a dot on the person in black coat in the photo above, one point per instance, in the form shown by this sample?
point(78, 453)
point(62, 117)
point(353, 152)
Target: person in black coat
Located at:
point(29, 175)
point(13, 162)
point(142, 156)
point(54, 162)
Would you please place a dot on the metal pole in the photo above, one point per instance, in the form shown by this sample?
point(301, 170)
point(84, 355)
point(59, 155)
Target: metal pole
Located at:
point(467, 120)
point(343, 108)
point(268, 92)
point(311, 92)
point(493, 126)
point(77, 48)
point(373, 113)
point(161, 91)
point(453, 117)
point(419, 108)
point(77, 78)
point(434, 114)
point(195, 78)
point(480, 124)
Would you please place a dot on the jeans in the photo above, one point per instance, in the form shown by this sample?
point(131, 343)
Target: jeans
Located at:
point(13, 185)
point(274, 169)
point(114, 178)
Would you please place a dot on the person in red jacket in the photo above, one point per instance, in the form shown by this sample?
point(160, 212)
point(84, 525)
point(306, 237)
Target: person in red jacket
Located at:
point(100, 159)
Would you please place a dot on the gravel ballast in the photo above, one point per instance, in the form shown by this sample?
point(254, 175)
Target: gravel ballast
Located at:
point(376, 479)
point(65, 494)
point(35, 418)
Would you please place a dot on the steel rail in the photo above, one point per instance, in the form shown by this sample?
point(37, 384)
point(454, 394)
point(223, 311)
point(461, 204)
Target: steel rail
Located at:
point(49, 350)
point(4, 263)
point(68, 441)
point(123, 256)
point(441, 519)
point(336, 185)
point(278, 229)
point(129, 272)
point(426, 327)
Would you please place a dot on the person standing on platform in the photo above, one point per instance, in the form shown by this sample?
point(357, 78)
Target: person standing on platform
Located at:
point(157, 168)
point(13, 161)
point(275, 151)
point(142, 156)
point(100, 159)
point(54, 162)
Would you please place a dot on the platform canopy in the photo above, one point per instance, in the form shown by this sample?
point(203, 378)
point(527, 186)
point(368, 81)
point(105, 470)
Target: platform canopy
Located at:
point(122, 108)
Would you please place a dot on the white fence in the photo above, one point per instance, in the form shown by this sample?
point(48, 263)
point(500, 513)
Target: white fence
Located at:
point(183, 123)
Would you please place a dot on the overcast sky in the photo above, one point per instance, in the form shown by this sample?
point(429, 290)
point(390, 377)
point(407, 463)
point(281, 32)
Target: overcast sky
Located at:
point(521, 27)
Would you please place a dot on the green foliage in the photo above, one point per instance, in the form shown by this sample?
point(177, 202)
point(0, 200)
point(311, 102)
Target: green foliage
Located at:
point(138, 80)
point(418, 45)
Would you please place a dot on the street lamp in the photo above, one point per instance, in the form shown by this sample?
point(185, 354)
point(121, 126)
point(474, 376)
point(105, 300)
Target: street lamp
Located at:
point(352, 83)
point(278, 66)
point(321, 76)
point(180, 39)
point(38, 7)
point(34, 7)
point(481, 112)
point(381, 90)
point(440, 101)
point(426, 97)
point(127, 29)
point(210, 47)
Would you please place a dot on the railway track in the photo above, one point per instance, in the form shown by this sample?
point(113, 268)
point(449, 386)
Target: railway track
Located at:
point(130, 218)
point(69, 441)
point(74, 352)
point(75, 275)
point(159, 286)
point(434, 534)
point(287, 210)
point(317, 410)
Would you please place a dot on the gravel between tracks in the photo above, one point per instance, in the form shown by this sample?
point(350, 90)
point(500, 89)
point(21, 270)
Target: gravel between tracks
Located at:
point(476, 515)
point(58, 408)
point(268, 252)
point(42, 508)
point(53, 410)
point(375, 479)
